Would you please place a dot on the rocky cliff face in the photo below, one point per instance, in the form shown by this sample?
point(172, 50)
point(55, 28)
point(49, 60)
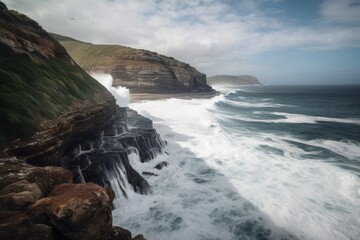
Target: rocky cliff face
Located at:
point(48, 103)
point(139, 70)
point(53, 113)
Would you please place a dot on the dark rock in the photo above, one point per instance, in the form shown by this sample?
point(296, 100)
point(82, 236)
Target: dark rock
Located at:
point(149, 174)
point(108, 163)
point(15, 225)
point(161, 165)
point(139, 237)
point(118, 233)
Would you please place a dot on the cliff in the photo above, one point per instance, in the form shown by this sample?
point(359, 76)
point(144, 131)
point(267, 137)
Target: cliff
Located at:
point(47, 102)
point(52, 114)
point(141, 71)
point(233, 80)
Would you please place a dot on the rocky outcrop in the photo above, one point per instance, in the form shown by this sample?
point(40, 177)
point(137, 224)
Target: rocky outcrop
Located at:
point(139, 70)
point(58, 136)
point(43, 203)
point(105, 159)
point(233, 80)
point(77, 211)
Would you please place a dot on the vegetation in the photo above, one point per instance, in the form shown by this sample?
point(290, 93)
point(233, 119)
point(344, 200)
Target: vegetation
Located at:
point(33, 88)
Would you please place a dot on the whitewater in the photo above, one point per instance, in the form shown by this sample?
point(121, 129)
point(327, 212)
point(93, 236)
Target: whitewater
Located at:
point(249, 165)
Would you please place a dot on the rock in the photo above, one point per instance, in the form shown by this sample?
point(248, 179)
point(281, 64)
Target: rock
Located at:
point(139, 237)
point(19, 195)
point(118, 233)
point(14, 170)
point(149, 174)
point(77, 211)
point(22, 184)
point(15, 225)
point(139, 70)
point(108, 163)
point(161, 165)
point(64, 104)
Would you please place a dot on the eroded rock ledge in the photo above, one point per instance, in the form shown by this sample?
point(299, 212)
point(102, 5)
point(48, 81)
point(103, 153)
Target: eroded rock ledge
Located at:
point(57, 136)
point(43, 203)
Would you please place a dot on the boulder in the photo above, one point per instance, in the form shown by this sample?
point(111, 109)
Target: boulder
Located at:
point(77, 211)
point(16, 225)
point(119, 233)
point(22, 184)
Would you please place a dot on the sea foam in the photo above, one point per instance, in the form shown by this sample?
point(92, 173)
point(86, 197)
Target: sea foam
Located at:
point(226, 183)
point(121, 94)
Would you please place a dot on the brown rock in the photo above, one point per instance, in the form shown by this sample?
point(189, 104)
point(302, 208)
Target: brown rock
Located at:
point(13, 170)
point(19, 195)
point(119, 233)
point(15, 225)
point(77, 211)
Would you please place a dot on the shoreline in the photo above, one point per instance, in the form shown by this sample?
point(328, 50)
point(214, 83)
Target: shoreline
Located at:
point(139, 97)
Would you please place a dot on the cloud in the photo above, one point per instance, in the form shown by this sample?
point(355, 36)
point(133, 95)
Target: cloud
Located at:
point(344, 11)
point(209, 34)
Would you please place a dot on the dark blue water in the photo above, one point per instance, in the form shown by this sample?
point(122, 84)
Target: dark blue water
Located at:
point(323, 121)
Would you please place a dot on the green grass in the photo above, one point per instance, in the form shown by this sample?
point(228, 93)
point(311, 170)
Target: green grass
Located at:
point(33, 88)
point(89, 55)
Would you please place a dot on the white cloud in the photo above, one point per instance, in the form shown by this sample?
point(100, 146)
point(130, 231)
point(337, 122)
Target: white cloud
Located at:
point(209, 34)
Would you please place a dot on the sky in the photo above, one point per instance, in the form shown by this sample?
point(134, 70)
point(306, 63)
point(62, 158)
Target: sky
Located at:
point(278, 41)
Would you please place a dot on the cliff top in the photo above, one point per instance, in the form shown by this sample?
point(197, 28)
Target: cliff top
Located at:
point(141, 71)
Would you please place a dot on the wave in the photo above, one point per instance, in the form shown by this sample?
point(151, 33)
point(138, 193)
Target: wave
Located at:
point(121, 94)
point(234, 184)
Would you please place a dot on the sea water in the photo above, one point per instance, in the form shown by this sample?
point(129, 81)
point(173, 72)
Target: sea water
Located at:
point(259, 162)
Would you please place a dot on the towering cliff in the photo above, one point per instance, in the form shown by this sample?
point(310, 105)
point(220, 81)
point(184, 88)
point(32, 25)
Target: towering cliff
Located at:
point(139, 70)
point(52, 114)
point(47, 102)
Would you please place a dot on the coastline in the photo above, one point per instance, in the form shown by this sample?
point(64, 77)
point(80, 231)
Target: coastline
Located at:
point(139, 97)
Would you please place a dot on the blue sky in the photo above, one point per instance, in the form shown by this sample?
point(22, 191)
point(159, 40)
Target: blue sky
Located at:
point(279, 41)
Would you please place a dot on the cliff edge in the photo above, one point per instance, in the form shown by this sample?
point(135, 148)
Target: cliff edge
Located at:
point(139, 70)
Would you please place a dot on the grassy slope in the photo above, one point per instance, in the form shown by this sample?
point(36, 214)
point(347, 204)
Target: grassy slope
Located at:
point(89, 55)
point(34, 88)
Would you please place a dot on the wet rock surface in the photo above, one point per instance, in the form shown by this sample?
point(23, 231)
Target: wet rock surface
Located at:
point(107, 159)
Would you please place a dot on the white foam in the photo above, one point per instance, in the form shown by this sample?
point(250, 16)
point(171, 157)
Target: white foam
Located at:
point(121, 94)
point(299, 118)
point(215, 173)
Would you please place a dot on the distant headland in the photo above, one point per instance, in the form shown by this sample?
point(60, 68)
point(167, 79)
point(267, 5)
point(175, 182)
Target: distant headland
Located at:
point(233, 80)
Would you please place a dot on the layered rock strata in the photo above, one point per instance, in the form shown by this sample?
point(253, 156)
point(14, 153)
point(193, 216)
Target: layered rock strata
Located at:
point(105, 159)
point(139, 70)
point(47, 101)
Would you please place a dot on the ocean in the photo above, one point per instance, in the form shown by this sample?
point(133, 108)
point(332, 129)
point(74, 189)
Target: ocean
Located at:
point(260, 162)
